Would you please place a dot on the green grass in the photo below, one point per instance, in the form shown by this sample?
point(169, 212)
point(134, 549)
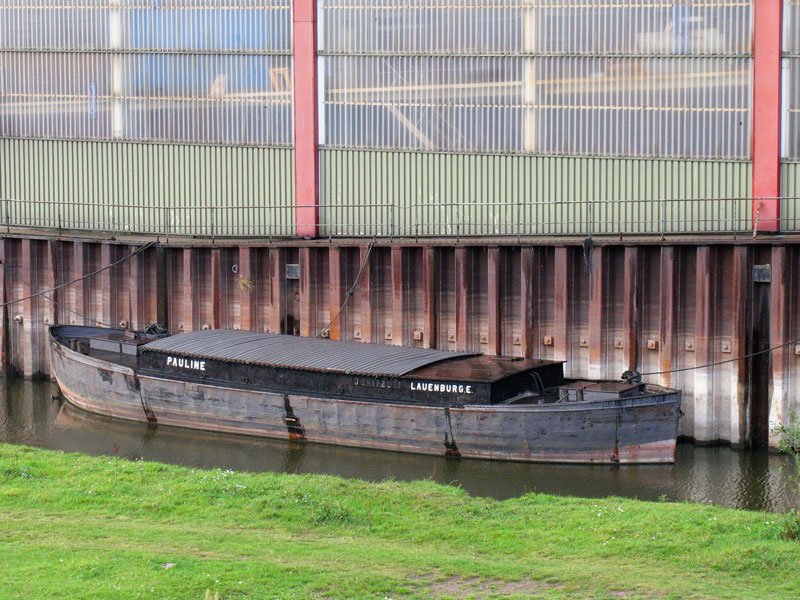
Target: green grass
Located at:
point(73, 526)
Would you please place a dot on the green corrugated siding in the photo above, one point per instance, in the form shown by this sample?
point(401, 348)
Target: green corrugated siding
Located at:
point(790, 193)
point(148, 188)
point(410, 193)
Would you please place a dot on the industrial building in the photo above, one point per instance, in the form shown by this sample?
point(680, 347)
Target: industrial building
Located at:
point(609, 183)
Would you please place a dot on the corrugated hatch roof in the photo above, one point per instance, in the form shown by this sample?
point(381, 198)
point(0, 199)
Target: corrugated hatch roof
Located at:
point(301, 353)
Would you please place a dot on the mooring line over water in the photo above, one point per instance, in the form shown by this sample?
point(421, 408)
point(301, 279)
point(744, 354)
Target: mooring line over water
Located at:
point(727, 360)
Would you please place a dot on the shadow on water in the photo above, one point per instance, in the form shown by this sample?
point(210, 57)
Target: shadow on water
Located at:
point(756, 480)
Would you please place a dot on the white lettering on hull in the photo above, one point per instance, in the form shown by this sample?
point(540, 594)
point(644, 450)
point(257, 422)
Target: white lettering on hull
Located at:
point(186, 363)
point(449, 388)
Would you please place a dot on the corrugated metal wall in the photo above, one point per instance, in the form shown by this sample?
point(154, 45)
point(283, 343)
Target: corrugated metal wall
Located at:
point(411, 193)
point(790, 196)
point(215, 71)
point(562, 117)
point(642, 78)
point(790, 169)
point(163, 189)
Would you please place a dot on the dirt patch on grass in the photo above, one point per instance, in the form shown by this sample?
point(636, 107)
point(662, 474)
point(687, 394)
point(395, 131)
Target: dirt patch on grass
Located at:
point(474, 587)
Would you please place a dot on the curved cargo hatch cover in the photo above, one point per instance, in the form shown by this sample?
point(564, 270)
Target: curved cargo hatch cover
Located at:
point(293, 352)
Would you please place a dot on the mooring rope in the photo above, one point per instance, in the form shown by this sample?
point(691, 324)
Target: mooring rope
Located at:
point(722, 362)
point(349, 292)
point(87, 276)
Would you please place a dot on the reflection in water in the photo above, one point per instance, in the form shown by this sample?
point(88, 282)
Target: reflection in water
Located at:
point(756, 480)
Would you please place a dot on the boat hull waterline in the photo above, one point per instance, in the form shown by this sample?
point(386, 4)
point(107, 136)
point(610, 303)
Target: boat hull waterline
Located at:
point(630, 430)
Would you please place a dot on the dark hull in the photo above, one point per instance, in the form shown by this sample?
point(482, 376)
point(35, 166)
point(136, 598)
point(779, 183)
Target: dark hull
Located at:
point(636, 430)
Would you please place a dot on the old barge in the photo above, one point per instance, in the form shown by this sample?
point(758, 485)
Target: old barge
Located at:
point(366, 395)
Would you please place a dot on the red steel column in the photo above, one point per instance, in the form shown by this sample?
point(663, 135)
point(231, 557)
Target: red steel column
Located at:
point(598, 348)
point(630, 308)
point(216, 300)
point(189, 281)
point(561, 314)
point(365, 294)
point(669, 301)
point(779, 335)
point(528, 329)
point(136, 290)
point(398, 294)
point(3, 308)
point(306, 283)
point(306, 158)
point(335, 283)
point(429, 298)
point(494, 294)
point(246, 320)
point(462, 299)
point(767, 32)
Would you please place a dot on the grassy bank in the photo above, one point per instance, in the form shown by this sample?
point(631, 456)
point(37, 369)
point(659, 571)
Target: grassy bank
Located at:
point(79, 527)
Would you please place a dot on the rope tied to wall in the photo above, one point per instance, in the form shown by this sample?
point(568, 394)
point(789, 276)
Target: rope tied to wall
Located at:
point(349, 292)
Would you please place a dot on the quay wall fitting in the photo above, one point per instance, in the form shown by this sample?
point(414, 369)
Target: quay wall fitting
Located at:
point(655, 307)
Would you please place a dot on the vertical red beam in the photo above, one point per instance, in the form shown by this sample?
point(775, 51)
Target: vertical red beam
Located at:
point(106, 282)
point(47, 302)
point(245, 285)
point(4, 308)
point(526, 334)
point(79, 308)
point(667, 300)
point(705, 423)
point(306, 158)
point(305, 293)
point(365, 294)
point(216, 298)
point(598, 353)
point(561, 306)
point(398, 291)
point(740, 281)
point(136, 283)
point(767, 33)
point(188, 290)
point(335, 294)
point(779, 335)
point(462, 299)
point(30, 286)
point(493, 302)
point(630, 308)
point(57, 295)
point(276, 285)
point(428, 298)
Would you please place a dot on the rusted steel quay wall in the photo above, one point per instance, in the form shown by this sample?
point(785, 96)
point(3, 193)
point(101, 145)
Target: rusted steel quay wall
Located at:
point(658, 308)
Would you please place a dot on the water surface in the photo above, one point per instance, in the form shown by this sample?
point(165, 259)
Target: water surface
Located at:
point(32, 413)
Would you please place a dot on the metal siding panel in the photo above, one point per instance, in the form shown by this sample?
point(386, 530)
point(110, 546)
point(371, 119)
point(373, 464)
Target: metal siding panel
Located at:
point(790, 192)
point(102, 185)
point(443, 194)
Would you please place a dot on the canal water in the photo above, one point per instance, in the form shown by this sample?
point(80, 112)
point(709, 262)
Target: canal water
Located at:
point(32, 413)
